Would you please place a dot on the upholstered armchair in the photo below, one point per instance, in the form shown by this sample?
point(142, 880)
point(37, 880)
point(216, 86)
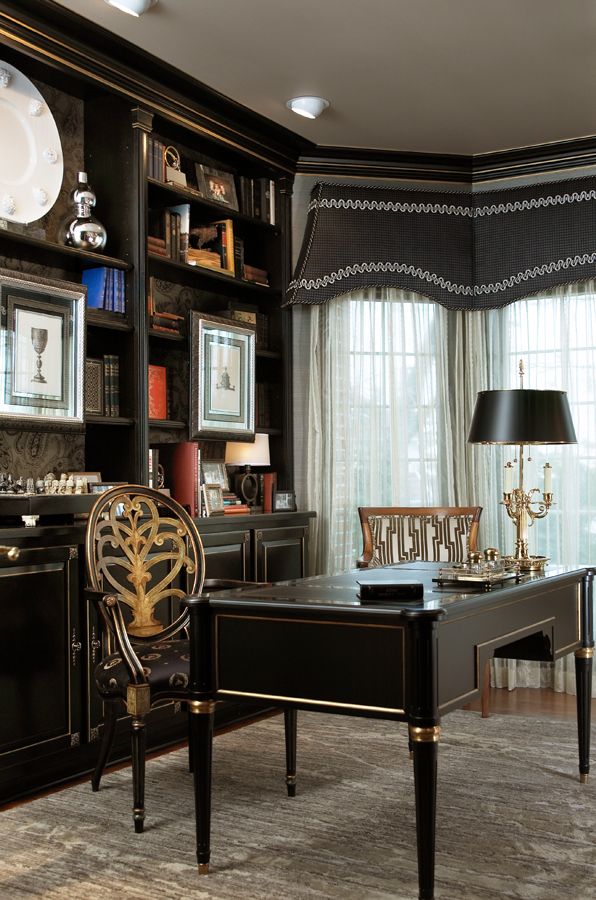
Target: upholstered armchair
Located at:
point(394, 534)
point(144, 556)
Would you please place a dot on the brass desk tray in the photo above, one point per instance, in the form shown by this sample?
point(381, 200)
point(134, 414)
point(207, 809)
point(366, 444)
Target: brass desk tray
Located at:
point(484, 578)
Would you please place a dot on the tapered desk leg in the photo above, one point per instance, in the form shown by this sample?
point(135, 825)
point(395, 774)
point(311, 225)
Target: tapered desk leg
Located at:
point(201, 727)
point(583, 681)
point(425, 745)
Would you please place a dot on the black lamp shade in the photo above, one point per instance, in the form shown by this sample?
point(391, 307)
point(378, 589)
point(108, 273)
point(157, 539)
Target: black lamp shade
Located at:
point(522, 417)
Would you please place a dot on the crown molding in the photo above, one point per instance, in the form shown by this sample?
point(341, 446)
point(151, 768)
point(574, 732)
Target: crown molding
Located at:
point(76, 47)
point(544, 159)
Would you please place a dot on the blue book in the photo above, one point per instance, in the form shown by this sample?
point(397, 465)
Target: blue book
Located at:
point(95, 280)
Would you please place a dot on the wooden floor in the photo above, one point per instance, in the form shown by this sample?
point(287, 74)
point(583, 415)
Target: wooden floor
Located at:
point(532, 702)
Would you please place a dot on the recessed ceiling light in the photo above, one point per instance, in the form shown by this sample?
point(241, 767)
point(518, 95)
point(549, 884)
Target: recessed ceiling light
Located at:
point(132, 7)
point(309, 107)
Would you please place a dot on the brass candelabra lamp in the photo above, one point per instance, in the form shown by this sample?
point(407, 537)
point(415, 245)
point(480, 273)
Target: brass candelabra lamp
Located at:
point(523, 417)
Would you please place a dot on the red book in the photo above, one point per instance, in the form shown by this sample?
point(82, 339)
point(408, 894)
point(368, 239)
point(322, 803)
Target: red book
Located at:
point(183, 473)
point(158, 392)
point(269, 485)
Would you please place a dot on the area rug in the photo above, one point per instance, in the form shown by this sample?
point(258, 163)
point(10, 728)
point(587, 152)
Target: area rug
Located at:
point(513, 820)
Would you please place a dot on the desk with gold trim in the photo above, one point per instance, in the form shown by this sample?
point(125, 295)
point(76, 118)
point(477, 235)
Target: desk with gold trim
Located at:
point(310, 644)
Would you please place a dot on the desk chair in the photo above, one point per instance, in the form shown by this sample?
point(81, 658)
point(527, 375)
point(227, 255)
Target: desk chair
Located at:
point(446, 534)
point(394, 534)
point(144, 555)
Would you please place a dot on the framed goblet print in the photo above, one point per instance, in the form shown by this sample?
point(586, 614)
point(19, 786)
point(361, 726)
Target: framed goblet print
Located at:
point(42, 341)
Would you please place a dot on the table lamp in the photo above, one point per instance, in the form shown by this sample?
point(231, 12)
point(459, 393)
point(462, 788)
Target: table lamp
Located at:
point(523, 417)
point(239, 453)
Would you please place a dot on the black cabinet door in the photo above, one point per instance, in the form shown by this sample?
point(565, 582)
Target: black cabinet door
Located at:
point(40, 649)
point(280, 553)
point(227, 555)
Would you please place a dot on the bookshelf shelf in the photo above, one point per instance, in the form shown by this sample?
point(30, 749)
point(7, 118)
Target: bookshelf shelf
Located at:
point(167, 195)
point(268, 354)
point(163, 335)
point(108, 420)
point(173, 424)
point(166, 268)
point(51, 254)
point(105, 319)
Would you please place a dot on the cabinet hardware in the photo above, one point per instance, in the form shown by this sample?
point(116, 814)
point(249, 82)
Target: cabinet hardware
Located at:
point(75, 646)
point(95, 644)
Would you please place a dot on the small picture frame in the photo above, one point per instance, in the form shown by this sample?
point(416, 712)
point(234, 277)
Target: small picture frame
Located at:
point(213, 499)
point(99, 487)
point(90, 477)
point(217, 186)
point(284, 501)
point(215, 473)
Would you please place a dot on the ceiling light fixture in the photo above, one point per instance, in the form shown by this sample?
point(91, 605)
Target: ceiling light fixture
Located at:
point(309, 107)
point(132, 7)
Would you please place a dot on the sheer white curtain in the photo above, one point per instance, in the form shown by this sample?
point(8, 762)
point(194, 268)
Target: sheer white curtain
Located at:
point(392, 381)
point(378, 413)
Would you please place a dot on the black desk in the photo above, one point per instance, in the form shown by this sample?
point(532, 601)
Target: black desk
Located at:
point(310, 644)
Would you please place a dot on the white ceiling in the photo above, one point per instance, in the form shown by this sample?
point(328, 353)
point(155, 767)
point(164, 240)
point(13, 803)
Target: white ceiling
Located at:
point(440, 76)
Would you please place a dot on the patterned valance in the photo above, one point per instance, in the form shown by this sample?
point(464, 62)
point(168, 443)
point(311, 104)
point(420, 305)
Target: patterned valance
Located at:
point(464, 250)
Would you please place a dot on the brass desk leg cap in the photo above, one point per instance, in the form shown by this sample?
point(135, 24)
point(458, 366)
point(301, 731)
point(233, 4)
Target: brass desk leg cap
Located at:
point(203, 868)
point(583, 778)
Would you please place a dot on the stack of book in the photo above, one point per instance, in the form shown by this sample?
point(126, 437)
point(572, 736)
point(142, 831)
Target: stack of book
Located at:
point(168, 323)
point(105, 289)
point(233, 509)
point(233, 504)
point(161, 319)
point(156, 245)
point(256, 275)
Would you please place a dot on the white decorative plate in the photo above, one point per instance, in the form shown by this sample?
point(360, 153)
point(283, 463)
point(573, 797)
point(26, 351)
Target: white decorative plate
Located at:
point(31, 163)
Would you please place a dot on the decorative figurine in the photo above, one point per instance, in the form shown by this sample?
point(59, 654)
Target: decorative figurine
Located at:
point(40, 487)
point(83, 230)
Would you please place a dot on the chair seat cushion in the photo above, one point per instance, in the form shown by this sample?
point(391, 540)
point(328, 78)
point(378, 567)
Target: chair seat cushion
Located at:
point(437, 538)
point(165, 664)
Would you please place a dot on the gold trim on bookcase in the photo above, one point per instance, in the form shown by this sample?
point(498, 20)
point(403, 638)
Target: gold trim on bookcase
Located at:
point(128, 92)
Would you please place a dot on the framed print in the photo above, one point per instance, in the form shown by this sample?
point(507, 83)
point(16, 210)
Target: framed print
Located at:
point(284, 501)
point(42, 352)
point(215, 473)
point(217, 186)
point(222, 380)
point(213, 499)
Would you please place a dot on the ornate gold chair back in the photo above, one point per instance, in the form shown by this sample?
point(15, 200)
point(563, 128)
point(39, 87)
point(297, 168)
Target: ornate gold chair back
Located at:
point(144, 548)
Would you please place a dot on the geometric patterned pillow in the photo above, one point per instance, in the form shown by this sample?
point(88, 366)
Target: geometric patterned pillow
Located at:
point(437, 538)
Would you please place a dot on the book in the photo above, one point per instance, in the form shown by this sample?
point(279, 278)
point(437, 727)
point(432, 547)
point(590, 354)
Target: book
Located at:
point(182, 212)
point(182, 465)
point(95, 281)
point(268, 483)
point(158, 392)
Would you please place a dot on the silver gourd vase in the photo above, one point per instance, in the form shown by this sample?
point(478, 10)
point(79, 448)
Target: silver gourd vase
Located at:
point(82, 230)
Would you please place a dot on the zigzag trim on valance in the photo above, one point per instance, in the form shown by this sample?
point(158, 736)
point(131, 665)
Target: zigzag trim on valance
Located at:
point(466, 251)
